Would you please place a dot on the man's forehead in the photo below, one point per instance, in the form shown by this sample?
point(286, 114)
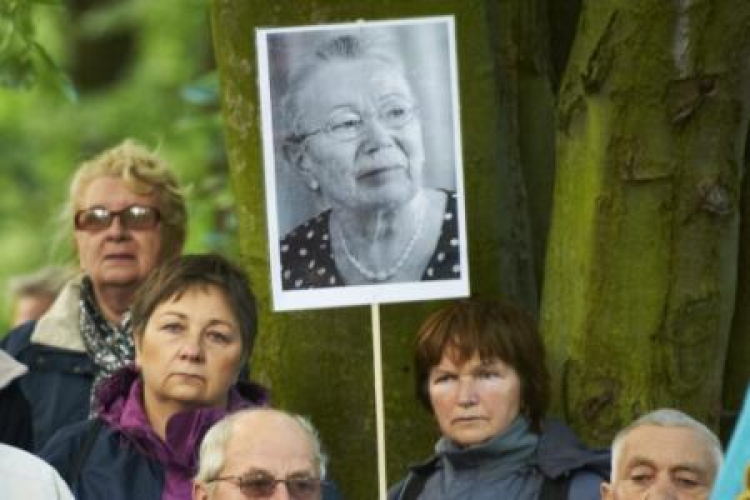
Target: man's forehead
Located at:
point(665, 446)
point(269, 436)
point(262, 466)
point(687, 464)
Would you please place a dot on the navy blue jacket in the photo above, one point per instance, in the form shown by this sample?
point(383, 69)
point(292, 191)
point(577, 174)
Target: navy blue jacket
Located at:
point(57, 386)
point(15, 412)
point(120, 471)
point(117, 470)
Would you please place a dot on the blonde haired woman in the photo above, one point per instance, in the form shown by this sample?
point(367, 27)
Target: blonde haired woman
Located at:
point(126, 213)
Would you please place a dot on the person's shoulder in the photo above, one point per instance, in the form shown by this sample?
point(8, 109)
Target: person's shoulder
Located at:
point(331, 491)
point(448, 200)
point(411, 485)
point(561, 451)
point(394, 492)
point(18, 338)
point(313, 227)
point(67, 440)
point(253, 392)
point(19, 461)
point(27, 476)
point(71, 433)
point(10, 369)
point(15, 419)
point(306, 257)
point(450, 196)
point(585, 485)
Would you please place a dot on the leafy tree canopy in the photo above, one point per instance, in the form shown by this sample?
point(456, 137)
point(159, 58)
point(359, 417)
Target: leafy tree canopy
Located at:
point(78, 77)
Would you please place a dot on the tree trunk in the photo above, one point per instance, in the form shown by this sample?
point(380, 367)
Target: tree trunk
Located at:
point(642, 260)
point(319, 363)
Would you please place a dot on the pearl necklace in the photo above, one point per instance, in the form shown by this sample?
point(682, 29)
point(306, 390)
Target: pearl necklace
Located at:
point(388, 273)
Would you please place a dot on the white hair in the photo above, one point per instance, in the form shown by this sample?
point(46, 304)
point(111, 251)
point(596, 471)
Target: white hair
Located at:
point(214, 444)
point(668, 417)
point(348, 46)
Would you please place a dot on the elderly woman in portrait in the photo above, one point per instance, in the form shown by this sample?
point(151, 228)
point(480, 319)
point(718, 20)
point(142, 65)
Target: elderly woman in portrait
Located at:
point(355, 136)
point(480, 369)
point(194, 324)
point(127, 215)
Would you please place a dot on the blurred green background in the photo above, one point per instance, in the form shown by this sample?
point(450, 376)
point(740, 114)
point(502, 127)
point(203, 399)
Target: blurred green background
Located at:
point(79, 76)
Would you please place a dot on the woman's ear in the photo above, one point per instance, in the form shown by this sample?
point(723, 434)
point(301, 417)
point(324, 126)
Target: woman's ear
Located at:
point(294, 153)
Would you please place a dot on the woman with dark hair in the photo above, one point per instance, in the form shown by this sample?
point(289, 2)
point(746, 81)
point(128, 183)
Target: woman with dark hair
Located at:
point(480, 369)
point(194, 324)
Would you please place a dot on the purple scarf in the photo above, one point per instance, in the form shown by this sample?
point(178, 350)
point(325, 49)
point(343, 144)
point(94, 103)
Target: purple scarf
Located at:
point(120, 405)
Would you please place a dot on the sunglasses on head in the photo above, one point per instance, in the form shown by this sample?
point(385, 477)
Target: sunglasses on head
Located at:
point(132, 217)
point(258, 486)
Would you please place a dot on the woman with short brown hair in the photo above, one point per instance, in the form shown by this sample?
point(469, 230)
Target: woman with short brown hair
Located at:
point(480, 369)
point(194, 328)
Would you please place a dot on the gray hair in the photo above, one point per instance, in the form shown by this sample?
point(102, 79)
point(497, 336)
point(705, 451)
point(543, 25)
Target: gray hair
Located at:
point(668, 417)
point(214, 444)
point(354, 46)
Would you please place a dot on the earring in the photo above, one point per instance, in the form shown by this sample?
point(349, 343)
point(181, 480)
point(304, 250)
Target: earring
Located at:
point(314, 185)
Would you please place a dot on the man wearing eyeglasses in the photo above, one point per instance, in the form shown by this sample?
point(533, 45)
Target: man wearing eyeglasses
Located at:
point(262, 453)
point(127, 214)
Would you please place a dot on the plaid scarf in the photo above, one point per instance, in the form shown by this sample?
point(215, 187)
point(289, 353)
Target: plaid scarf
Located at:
point(109, 346)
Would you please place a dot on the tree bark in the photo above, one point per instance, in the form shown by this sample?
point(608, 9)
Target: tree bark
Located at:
point(642, 259)
point(319, 363)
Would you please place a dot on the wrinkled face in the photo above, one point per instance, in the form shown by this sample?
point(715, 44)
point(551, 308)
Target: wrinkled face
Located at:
point(190, 351)
point(263, 447)
point(661, 463)
point(364, 140)
point(474, 401)
point(116, 256)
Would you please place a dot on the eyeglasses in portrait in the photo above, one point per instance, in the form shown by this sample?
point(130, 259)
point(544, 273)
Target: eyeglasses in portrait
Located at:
point(363, 168)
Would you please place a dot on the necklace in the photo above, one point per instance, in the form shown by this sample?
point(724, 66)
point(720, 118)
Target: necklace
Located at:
point(384, 275)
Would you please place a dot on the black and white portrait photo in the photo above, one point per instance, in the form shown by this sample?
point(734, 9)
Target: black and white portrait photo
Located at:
point(363, 169)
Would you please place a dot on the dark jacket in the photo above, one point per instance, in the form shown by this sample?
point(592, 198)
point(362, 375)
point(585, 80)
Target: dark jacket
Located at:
point(58, 383)
point(127, 459)
point(15, 412)
point(557, 456)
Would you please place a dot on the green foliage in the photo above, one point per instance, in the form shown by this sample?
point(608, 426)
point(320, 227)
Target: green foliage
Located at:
point(24, 62)
point(165, 97)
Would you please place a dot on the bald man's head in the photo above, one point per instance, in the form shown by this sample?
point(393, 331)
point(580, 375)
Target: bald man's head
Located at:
point(257, 450)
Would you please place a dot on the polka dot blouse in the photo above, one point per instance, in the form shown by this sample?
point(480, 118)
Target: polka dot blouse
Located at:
point(307, 258)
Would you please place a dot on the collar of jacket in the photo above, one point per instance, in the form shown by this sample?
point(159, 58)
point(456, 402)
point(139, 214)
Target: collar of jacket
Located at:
point(558, 453)
point(507, 453)
point(10, 369)
point(60, 325)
